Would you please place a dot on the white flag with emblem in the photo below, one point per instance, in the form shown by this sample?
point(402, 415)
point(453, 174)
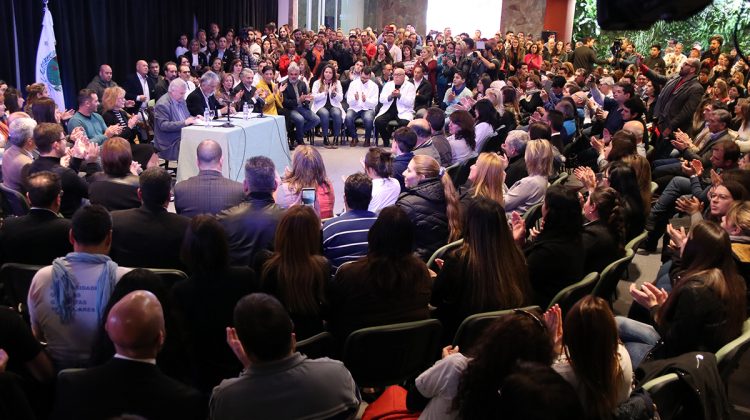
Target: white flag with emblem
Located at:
point(47, 70)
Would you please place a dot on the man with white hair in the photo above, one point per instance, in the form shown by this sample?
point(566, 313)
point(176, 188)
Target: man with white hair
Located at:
point(18, 154)
point(297, 102)
point(171, 115)
point(250, 94)
point(514, 148)
point(203, 97)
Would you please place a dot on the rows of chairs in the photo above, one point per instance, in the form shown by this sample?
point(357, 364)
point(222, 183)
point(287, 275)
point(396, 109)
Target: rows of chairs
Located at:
point(15, 281)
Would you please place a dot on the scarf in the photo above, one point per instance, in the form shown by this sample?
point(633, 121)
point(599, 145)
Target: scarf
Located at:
point(64, 283)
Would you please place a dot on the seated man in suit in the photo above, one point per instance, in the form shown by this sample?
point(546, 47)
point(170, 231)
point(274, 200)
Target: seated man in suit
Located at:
point(52, 146)
point(207, 192)
point(397, 98)
point(514, 148)
point(67, 299)
point(170, 115)
point(18, 153)
point(139, 87)
point(423, 98)
point(149, 236)
point(203, 97)
point(277, 381)
point(250, 95)
point(130, 383)
point(42, 235)
point(424, 145)
point(251, 225)
point(297, 103)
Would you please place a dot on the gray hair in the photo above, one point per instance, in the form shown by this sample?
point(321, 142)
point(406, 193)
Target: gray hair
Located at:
point(517, 139)
point(209, 77)
point(246, 72)
point(175, 84)
point(21, 130)
point(292, 67)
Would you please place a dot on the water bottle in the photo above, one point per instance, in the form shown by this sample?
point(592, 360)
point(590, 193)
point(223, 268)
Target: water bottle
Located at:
point(207, 117)
point(245, 111)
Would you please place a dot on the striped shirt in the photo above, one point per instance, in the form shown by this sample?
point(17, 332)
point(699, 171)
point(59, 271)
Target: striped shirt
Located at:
point(345, 237)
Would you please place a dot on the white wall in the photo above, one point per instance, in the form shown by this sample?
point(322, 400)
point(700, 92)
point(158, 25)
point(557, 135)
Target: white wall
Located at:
point(464, 16)
point(283, 17)
point(351, 14)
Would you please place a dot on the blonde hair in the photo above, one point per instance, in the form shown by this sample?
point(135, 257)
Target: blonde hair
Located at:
point(538, 157)
point(490, 177)
point(308, 170)
point(109, 97)
point(739, 215)
point(428, 167)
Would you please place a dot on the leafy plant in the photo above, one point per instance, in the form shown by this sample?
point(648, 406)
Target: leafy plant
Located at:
point(718, 18)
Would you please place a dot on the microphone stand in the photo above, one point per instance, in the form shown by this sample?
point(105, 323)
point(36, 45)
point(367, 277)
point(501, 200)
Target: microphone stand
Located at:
point(227, 124)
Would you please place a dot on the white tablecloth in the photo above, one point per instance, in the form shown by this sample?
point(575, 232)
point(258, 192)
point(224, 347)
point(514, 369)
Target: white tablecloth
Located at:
point(254, 137)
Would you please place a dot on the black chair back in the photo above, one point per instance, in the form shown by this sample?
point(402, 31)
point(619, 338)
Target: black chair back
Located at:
point(169, 276)
point(392, 354)
point(16, 281)
point(13, 202)
point(461, 174)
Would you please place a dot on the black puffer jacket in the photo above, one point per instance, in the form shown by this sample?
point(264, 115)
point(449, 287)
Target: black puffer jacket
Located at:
point(425, 204)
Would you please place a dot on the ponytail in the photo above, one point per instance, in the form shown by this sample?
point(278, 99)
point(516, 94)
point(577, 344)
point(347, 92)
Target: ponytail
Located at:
point(453, 209)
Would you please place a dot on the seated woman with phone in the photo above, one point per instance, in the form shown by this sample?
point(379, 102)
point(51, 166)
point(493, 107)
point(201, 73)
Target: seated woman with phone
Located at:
point(307, 183)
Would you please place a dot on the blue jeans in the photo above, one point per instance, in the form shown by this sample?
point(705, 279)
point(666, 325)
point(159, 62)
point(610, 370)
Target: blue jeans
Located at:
point(368, 117)
point(663, 281)
point(326, 115)
point(665, 206)
point(638, 338)
point(303, 119)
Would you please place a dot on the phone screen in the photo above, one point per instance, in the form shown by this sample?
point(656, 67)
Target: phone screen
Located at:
point(308, 196)
point(480, 45)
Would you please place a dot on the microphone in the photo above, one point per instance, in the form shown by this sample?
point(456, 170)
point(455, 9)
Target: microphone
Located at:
point(227, 124)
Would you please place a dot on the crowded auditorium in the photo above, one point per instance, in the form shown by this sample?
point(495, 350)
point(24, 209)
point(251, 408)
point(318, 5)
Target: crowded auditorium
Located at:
point(375, 209)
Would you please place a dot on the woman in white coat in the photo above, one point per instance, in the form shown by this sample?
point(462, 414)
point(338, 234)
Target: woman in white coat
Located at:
point(327, 95)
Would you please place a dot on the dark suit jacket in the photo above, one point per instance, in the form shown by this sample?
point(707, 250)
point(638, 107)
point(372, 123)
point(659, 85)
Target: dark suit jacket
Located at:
point(251, 227)
point(516, 170)
point(133, 89)
point(247, 97)
point(290, 98)
point(74, 187)
point(114, 193)
point(207, 192)
point(202, 61)
point(226, 59)
point(148, 237)
point(196, 103)
point(675, 105)
point(124, 386)
point(37, 238)
point(424, 95)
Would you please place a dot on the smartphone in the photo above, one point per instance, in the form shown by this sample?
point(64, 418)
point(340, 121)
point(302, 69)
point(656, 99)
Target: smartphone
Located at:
point(308, 196)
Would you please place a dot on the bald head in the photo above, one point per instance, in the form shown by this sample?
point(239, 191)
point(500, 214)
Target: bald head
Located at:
point(136, 325)
point(422, 128)
point(141, 67)
point(635, 127)
point(105, 72)
point(209, 155)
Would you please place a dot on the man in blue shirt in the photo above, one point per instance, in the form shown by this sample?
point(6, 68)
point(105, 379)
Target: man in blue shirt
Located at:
point(345, 236)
